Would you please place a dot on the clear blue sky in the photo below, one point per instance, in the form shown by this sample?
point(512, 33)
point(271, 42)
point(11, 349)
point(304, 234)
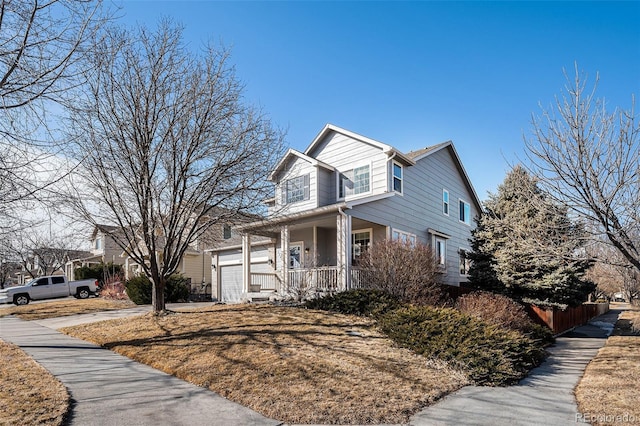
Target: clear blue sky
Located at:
point(412, 74)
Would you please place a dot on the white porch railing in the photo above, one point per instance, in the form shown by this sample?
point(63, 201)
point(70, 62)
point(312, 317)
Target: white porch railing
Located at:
point(264, 281)
point(322, 279)
point(358, 278)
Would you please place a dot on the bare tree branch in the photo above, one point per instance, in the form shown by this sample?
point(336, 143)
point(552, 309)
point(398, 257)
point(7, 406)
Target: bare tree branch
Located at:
point(43, 44)
point(589, 159)
point(170, 147)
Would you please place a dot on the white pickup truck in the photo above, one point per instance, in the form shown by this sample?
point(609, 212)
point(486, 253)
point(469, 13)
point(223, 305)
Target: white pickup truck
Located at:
point(48, 287)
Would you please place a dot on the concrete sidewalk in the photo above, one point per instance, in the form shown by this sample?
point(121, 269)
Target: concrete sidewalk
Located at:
point(545, 397)
point(109, 389)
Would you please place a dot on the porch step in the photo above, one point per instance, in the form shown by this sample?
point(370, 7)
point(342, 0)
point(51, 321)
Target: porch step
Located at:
point(254, 297)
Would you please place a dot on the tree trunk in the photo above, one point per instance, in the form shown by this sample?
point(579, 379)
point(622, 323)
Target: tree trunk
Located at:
point(157, 295)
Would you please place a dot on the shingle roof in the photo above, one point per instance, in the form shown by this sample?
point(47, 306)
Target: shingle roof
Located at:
point(419, 152)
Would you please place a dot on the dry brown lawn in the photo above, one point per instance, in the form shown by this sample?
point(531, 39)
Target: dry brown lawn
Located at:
point(65, 307)
point(610, 388)
point(290, 364)
point(30, 394)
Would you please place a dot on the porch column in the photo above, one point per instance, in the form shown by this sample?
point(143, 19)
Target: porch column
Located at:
point(246, 262)
point(284, 248)
point(126, 268)
point(343, 250)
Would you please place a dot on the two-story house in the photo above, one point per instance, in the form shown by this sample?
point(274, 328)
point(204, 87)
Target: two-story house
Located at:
point(103, 250)
point(337, 198)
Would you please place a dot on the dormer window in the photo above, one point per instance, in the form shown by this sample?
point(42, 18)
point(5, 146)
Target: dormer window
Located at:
point(296, 189)
point(98, 244)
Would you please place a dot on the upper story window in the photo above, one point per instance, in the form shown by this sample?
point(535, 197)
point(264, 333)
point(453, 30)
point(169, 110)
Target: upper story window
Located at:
point(98, 244)
point(397, 177)
point(226, 232)
point(445, 202)
point(296, 189)
point(403, 236)
point(465, 212)
point(353, 182)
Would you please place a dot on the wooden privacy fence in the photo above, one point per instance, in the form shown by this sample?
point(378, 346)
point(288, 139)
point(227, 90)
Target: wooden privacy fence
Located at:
point(559, 321)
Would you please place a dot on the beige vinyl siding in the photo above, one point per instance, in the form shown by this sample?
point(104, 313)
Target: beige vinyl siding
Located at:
point(196, 267)
point(345, 153)
point(421, 206)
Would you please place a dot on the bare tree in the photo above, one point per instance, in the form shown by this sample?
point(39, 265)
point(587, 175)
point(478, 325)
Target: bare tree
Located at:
point(170, 148)
point(42, 45)
point(42, 253)
point(589, 159)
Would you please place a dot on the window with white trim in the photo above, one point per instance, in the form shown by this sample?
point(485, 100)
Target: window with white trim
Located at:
point(360, 243)
point(465, 212)
point(398, 173)
point(226, 232)
point(353, 182)
point(403, 236)
point(98, 244)
point(464, 262)
point(445, 202)
point(441, 251)
point(296, 189)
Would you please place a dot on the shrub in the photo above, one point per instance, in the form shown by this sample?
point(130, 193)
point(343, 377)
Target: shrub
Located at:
point(113, 289)
point(363, 302)
point(490, 355)
point(407, 271)
point(502, 312)
point(139, 289)
point(101, 272)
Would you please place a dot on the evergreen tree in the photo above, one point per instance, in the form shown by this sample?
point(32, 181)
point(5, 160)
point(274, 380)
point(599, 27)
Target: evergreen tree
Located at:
point(526, 247)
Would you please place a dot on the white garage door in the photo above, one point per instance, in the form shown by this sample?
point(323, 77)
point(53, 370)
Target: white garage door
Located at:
point(231, 283)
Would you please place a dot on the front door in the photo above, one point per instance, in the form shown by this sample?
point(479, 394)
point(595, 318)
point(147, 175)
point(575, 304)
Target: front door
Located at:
point(295, 256)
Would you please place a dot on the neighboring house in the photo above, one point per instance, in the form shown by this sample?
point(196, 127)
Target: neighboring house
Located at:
point(194, 265)
point(335, 199)
point(103, 250)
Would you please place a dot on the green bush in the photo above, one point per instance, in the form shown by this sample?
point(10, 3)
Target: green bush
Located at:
point(363, 302)
point(100, 272)
point(139, 289)
point(491, 356)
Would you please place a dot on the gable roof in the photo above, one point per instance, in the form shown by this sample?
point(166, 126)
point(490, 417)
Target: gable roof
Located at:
point(293, 153)
point(387, 149)
point(425, 152)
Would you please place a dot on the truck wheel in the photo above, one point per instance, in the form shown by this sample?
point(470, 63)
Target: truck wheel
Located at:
point(21, 299)
point(83, 293)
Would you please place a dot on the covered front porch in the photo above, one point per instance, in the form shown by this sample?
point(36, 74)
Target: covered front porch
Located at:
point(313, 254)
